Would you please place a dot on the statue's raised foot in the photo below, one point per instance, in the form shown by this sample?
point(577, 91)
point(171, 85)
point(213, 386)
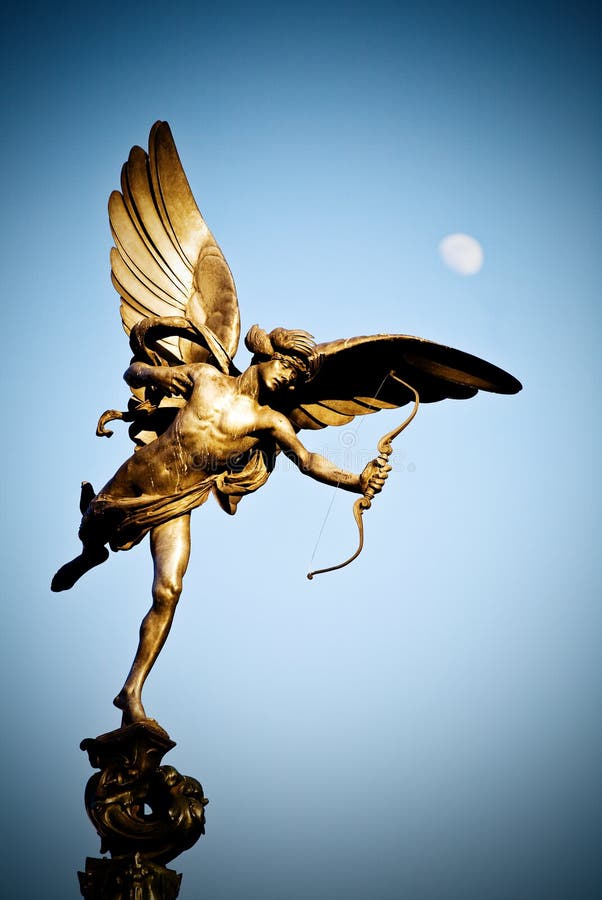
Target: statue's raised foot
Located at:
point(72, 571)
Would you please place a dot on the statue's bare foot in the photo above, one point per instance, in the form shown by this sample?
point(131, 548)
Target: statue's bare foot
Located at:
point(131, 707)
point(72, 571)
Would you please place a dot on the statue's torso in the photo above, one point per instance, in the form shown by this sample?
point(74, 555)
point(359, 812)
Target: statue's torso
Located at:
point(215, 426)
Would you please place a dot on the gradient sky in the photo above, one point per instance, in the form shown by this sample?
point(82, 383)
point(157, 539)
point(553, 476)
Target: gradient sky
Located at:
point(426, 723)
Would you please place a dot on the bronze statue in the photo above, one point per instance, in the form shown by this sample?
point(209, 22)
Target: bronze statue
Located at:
point(199, 424)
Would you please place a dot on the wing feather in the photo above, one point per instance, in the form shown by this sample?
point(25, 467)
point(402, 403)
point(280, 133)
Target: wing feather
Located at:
point(132, 312)
point(130, 317)
point(174, 197)
point(326, 415)
point(353, 407)
point(145, 296)
point(301, 417)
point(125, 261)
point(138, 197)
point(375, 404)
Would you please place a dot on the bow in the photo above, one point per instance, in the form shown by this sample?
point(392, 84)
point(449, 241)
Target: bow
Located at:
point(363, 503)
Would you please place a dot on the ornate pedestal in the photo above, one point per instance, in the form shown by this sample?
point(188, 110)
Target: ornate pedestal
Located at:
point(146, 814)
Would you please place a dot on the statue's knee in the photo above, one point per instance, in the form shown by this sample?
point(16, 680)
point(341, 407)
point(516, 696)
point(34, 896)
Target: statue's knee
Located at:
point(166, 593)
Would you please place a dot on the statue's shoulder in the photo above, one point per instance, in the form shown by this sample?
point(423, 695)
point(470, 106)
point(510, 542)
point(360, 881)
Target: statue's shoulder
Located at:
point(205, 373)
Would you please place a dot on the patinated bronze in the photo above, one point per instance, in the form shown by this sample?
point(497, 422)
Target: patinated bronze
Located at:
point(203, 427)
point(135, 803)
point(145, 814)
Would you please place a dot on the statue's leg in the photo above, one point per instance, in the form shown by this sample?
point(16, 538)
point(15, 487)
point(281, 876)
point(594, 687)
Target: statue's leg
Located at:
point(93, 552)
point(170, 548)
point(91, 555)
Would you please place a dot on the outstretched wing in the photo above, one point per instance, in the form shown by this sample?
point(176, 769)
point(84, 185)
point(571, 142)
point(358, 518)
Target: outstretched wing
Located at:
point(354, 378)
point(165, 261)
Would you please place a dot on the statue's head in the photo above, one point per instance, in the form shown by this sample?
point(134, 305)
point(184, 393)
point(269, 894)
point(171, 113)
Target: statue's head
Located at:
point(285, 356)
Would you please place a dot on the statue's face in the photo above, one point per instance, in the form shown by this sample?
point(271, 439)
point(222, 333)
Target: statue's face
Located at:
point(278, 374)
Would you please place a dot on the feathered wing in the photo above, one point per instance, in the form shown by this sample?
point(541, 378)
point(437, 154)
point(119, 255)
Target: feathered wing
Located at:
point(354, 378)
point(165, 261)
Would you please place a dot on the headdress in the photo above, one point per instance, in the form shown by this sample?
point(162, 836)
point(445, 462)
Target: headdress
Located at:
point(298, 346)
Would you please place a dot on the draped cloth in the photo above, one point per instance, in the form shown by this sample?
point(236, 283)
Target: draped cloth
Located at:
point(123, 522)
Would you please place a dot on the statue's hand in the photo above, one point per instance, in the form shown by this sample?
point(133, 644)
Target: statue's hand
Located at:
point(374, 476)
point(173, 380)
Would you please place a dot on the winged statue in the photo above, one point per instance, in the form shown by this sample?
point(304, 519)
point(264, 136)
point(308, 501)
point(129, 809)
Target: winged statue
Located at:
point(200, 425)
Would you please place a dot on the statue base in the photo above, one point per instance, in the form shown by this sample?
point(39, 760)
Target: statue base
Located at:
point(146, 814)
point(127, 878)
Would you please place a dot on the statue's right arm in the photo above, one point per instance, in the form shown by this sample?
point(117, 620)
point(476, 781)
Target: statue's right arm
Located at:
point(172, 379)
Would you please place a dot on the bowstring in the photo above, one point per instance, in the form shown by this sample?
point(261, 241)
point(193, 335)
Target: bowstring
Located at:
point(355, 432)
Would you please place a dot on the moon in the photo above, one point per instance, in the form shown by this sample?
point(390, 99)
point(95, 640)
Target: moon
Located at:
point(461, 253)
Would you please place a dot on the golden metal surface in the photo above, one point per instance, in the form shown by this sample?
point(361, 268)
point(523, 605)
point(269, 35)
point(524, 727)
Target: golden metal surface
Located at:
point(201, 426)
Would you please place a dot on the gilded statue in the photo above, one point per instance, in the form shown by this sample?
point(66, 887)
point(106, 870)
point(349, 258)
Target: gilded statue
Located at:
point(200, 425)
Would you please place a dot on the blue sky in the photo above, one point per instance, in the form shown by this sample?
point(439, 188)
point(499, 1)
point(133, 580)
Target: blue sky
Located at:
point(425, 723)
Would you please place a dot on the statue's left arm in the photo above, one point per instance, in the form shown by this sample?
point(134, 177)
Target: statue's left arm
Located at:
point(316, 466)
